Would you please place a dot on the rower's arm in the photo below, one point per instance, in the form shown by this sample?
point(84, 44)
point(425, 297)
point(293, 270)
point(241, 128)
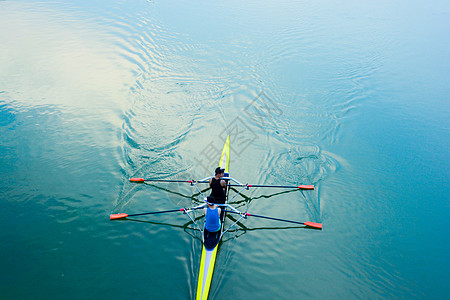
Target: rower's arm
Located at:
point(223, 184)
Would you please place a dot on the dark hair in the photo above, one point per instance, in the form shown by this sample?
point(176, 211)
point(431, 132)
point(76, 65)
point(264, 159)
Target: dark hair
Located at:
point(210, 200)
point(219, 170)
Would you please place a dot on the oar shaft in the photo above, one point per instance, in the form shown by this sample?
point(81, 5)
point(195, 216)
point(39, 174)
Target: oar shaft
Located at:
point(158, 180)
point(275, 219)
point(123, 215)
point(269, 218)
point(310, 224)
point(157, 212)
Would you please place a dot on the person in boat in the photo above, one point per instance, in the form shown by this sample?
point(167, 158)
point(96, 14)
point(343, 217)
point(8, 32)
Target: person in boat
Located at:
point(218, 186)
point(212, 215)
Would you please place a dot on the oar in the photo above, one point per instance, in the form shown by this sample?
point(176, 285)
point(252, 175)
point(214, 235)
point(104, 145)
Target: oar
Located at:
point(309, 224)
point(159, 180)
point(302, 187)
point(124, 215)
point(141, 180)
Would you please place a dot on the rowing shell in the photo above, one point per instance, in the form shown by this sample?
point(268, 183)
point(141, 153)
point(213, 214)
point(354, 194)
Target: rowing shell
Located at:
point(209, 255)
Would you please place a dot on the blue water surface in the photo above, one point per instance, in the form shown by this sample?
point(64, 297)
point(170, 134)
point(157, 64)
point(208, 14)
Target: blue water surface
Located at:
point(351, 97)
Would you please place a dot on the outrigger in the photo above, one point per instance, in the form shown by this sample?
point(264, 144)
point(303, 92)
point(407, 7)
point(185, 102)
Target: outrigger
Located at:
point(211, 240)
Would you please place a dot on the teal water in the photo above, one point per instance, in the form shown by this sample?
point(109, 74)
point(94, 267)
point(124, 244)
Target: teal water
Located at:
point(351, 97)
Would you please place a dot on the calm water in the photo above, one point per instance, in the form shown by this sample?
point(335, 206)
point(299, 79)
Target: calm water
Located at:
point(352, 97)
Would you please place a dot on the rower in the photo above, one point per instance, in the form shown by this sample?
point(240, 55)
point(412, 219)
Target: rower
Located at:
point(218, 186)
point(212, 213)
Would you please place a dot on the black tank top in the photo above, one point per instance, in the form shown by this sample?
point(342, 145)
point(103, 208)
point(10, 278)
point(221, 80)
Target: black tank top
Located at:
point(217, 191)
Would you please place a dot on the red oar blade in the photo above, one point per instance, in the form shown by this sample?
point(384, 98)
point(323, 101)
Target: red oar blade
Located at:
point(306, 187)
point(117, 216)
point(313, 225)
point(137, 179)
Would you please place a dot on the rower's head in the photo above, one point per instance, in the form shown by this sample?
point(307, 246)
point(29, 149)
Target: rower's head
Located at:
point(210, 201)
point(220, 171)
